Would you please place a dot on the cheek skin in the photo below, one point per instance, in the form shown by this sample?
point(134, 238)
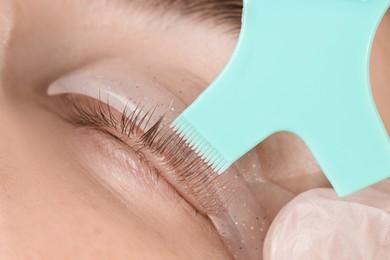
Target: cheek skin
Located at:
point(50, 196)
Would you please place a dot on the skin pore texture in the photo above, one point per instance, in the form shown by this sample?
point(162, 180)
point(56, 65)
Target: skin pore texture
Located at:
point(71, 192)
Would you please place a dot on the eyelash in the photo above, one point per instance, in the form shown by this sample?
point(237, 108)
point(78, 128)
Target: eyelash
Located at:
point(172, 152)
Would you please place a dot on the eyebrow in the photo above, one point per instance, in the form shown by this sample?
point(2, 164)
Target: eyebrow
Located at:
point(221, 12)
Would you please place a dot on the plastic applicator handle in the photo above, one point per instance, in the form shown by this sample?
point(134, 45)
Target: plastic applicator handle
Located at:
point(300, 66)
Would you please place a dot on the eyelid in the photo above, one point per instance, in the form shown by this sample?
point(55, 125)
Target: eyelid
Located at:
point(103, 84)
point(91, 88)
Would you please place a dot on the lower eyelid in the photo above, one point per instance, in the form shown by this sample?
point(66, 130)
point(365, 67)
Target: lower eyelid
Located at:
point(124, 173)
point(133, 162)
point(242, 224)
point(84, 111)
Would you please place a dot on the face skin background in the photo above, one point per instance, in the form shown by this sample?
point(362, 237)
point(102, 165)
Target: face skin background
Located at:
point(62, 193)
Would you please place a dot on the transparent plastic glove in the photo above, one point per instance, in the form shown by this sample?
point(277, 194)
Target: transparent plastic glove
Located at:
point(319, 225)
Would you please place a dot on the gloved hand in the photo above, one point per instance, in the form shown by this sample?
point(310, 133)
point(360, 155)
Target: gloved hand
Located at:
point(318, 224)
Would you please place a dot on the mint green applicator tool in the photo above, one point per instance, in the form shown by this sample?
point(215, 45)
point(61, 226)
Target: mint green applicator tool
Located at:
point(300, 66)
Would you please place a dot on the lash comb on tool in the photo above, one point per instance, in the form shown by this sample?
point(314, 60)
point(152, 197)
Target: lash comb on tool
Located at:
point(300, 66)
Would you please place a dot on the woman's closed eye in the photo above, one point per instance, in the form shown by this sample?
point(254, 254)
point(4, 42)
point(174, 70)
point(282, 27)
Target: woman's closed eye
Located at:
point(95, 98)
point(156, 146)
point(142, 126)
